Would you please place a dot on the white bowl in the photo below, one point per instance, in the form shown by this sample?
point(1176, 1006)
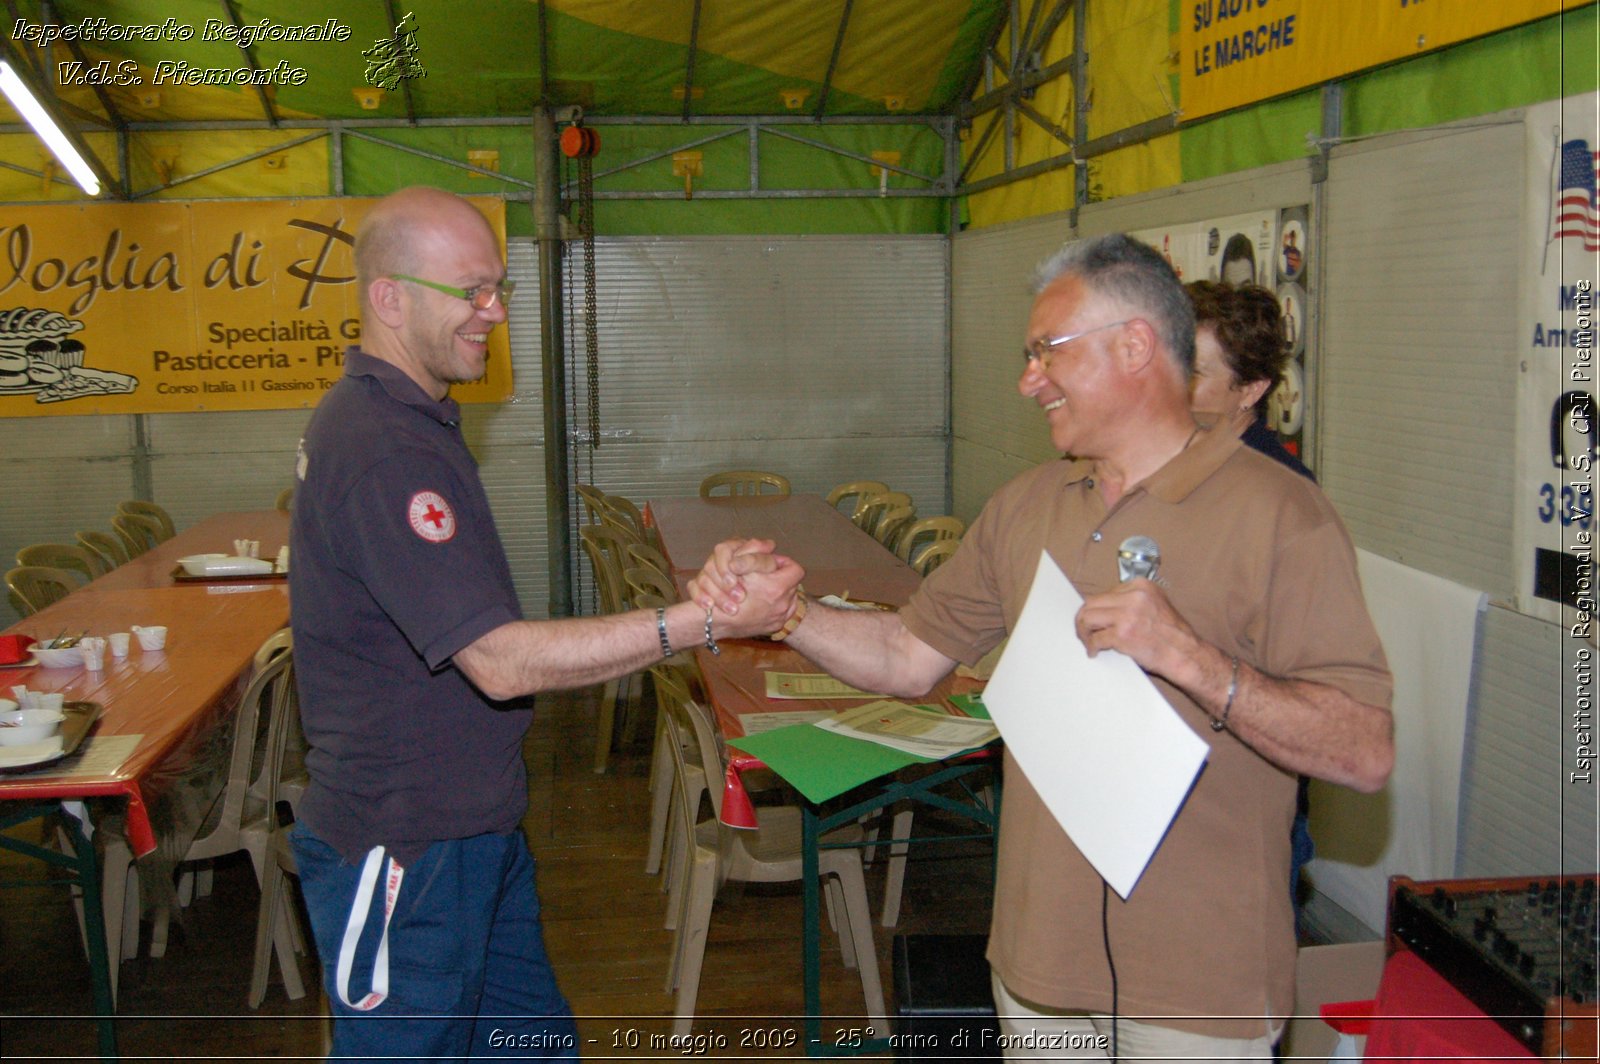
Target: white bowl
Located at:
point(58, 657)
point(7, 706)
point(29, 726)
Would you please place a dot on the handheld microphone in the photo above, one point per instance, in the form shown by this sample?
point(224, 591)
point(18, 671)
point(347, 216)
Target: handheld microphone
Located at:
point(1138, 557)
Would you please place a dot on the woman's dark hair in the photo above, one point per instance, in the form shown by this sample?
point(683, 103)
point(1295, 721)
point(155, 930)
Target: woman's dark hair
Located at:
point(1249, 326)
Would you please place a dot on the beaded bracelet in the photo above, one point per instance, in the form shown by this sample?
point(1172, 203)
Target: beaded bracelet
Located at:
point(1227, 707)
point(661, 630)
point(711, 643)
point(795, 618)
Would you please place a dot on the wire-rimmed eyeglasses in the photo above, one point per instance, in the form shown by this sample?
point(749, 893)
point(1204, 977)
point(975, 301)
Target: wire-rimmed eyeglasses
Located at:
point(481, 297)
point(1041, 350)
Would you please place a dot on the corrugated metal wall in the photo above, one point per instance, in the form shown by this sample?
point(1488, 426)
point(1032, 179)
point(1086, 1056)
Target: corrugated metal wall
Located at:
point(821, 358)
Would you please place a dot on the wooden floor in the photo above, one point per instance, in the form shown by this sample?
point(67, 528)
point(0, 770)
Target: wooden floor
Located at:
point(603, 925)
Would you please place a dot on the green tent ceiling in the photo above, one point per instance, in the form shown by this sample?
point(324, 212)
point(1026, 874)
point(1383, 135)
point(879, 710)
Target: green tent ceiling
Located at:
point(483, 58)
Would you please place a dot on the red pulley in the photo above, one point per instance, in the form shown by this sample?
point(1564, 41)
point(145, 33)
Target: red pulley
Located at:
point(578, 142)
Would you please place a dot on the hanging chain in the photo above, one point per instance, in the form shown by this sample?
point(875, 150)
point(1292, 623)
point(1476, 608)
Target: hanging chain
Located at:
point(591, 327)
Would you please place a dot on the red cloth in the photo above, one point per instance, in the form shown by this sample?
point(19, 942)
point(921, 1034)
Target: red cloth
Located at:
point(1419, 1015)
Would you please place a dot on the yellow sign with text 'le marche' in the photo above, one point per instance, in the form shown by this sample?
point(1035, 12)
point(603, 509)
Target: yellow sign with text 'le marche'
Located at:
point(119, 308)
point(1235, 52)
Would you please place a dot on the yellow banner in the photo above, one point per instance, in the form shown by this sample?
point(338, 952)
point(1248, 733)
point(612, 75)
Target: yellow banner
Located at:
point(1235, 52)
point(117, 308)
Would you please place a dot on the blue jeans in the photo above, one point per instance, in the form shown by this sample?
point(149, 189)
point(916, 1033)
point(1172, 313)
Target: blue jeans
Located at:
point(468, 973)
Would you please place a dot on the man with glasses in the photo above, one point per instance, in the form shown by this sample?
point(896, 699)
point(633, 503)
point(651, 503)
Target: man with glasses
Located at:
point(413, 665)
point(1254, 629)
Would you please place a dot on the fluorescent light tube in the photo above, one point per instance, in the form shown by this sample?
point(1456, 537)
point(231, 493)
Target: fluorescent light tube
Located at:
point(23, 100)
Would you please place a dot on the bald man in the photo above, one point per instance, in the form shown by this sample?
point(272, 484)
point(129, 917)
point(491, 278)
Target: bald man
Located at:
point(1255, 632)
point(413, 664)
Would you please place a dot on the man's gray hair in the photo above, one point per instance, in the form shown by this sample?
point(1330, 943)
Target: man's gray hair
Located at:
point(1135, 275)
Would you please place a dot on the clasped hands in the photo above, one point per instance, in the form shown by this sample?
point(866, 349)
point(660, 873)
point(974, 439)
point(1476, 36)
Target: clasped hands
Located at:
point(748, 586)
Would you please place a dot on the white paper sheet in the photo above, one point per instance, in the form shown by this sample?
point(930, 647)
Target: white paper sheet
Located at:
point(1109, 757)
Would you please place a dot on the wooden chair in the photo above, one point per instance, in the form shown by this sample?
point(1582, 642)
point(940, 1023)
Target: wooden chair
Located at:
point(871, 508)
point(276, 919)
point(934, 555)
point(744, 482)
point(107, 545)
point(606, 548)
point(928, 529)
point(852, 491)
point(770, 854)
point(37, 586)
point(165, 528)
point(139, 533)
point(73, 556)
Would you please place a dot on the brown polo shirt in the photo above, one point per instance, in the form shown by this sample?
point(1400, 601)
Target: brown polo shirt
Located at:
point(1258, 563)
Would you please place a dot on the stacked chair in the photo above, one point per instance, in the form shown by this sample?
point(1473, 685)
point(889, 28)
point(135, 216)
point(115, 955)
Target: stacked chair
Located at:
point(744, 482)
point(139, 533)
point(107, 545)
point(851, 493)
point(770, 854)
point(164, 528)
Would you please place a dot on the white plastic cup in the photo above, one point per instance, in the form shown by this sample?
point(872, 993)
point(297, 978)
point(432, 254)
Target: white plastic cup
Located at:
point(93, 649)
point(153, 637)
point(118, 642)
point(49, 702)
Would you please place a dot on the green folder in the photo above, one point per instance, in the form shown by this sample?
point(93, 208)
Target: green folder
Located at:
point(821, 764)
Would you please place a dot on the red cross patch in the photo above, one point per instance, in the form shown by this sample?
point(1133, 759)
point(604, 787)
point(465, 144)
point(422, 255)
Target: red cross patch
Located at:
point(431, 517)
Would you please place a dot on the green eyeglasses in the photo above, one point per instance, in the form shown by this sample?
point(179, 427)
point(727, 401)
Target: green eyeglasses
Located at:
point(482, 297)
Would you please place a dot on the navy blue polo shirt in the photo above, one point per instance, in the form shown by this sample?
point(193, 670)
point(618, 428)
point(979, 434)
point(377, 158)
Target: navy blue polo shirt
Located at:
point(395, 566)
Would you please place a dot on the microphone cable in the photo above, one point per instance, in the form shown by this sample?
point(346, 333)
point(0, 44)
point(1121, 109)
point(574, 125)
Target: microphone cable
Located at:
point(1105, 938)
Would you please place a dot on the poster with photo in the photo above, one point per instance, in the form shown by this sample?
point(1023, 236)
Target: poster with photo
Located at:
point(1266, 248)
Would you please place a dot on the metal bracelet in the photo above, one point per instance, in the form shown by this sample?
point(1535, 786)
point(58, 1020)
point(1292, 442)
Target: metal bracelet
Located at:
point(711, 643)
point(1227, 707)
point(661, 630)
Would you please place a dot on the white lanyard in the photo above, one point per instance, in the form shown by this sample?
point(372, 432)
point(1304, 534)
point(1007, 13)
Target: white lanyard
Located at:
point(358, 920)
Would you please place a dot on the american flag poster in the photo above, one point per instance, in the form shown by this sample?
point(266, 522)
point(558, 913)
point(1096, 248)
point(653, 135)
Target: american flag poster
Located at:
point(1558, 420)
point(1574, 214)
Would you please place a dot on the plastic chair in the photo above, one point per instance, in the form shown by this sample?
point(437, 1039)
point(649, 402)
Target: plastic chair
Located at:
point(934, 555)
point(139, 533)
point(647, 580)
point(606, 548)
point(928, 529)
point(892, 522)
point(108, 546)
point(238, 820)
point(744, 482)
point(593, 499)
point(624, 508)
point(645, 554)
point(770, 854)
point(37, 586)
point(165, 528)
point(852, 492)
point(672, 837)
point(276, 919)
point(73, 556)
point(292, 779)
point(871, 508)
point(284, 501)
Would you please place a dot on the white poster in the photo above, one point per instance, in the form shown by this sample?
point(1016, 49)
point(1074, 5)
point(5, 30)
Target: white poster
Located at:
point(1556, 417)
